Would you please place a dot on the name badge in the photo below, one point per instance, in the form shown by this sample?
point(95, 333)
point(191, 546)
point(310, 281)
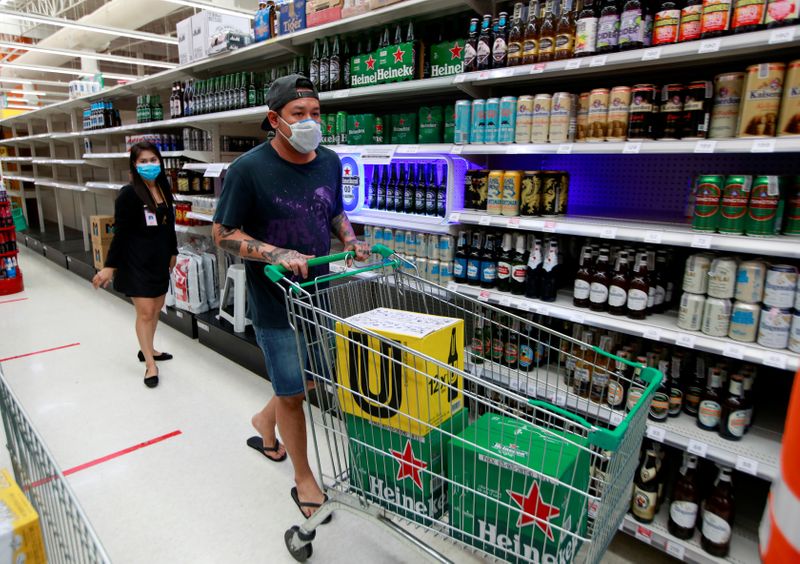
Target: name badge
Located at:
point(150, 218)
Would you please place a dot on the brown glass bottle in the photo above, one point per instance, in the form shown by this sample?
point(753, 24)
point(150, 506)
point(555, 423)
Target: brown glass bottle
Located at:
point(639, 289)
point(685, 500)
point(530, 44)
point(645, 488)
point(710, 408)
point(718, 515)
point(734, 415)
point(547, 33)
point(484, 59)
point(515, 37)
point(565, 31)
point(618, 289)
point(598, 294)
point(584, 366)
point(583, 279)
point(586, 29)
point(471, 47)
point(601, 372)
point(694, 391)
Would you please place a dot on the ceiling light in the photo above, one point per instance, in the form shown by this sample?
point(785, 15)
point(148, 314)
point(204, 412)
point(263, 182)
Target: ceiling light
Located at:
point(61, 22)
point(210, 7)
point(88, 55)
point(74, 72)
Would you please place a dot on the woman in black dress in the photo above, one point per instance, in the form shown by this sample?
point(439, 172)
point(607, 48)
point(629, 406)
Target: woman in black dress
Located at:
point(144, 249)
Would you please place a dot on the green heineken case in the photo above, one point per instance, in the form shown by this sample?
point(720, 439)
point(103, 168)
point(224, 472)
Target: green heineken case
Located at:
point(491, 457)
point(431, 124)
point(389, 64)
point(449, 124)
point(387, 463)
point(404, 129)
point(360, 129)
point(447, 58)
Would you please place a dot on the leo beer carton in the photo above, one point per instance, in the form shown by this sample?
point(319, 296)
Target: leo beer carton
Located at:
point(379, 381)
point(20, 531)
point(507, 495)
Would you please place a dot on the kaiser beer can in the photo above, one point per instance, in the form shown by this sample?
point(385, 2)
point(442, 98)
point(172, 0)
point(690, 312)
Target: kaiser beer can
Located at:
point(716, 317)
point(583, 117)
point(508, 120)
point(524, 119)
point(618, 108)
point(477, 132)
point(690, 313)
point(562, 118)
point(598, 115)
point(744, 322)
point(492, 119)
point(463, 121)
point(727, 97)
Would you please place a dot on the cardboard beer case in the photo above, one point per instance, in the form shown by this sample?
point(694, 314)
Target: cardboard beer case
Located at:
point(20, 529)
point(403, 128)
point(496, 457)
point(431, 124)
point(447, 58)
point(398, 389)
point(394, 63)
point(360, 129)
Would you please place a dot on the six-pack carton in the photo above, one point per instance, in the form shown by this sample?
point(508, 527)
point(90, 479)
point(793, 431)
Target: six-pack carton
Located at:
point(20, 530)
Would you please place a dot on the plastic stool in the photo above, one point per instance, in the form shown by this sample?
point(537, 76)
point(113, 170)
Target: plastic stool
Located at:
point(237, 278)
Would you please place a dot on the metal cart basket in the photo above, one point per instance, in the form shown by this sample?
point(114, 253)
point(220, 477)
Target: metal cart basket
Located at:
point(68, 535)
point(498, 436)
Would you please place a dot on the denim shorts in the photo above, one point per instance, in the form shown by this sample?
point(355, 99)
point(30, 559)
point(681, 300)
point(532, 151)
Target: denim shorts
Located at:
point(284, 367)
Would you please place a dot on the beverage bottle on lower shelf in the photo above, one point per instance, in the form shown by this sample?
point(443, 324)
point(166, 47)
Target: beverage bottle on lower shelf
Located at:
point(476, 346)
point(474, 261)
point(511, 346)
point(530, 350)
point(685, 500)
point(694, 390)
point(598, 293)
point(710, 407)
point(374, 188)
point(717, 516)
point(601, 373)
point(499, 338)
point(441, 194)
point(583, 279)
point(382, 189)
point(619, 286)
point(618, 382)
point(430, 191)
point(568, 356)
point(659, 407)
point(749, 372)
point(661, 476)
point(645, 488)
point(677, 368)
point(518, 267)
point(460, 263)
point(419, 191)
point(400, 190)
point(391, 189)
point(638, 289)
point(652, 281)
point(733, 416)
point(504, 259)
point(582, 377)
point(661, 276)
point(550, 273)
point(533, 287)
point(636, 389)
point(410, 189)
point(488, 263)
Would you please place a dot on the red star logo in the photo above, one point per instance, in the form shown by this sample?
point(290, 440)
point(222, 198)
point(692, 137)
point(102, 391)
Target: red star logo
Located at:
point(357, 123)
point(398, 55)
point(371, 63)
point(409, 466)
point(347, 171)
point(534, 510)
point(401, 121)
point(455, 51)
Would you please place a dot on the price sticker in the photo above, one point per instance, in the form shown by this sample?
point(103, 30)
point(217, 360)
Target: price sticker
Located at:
point(644, 534)
point(573, 64)
point(709, 46)
point(203, 327)
point(549, 226)
point(676, 550)
point(561, 398)
point(701, 242)
point(706, 146)
point(653, 237)
point(523, 305)
point(410, 149)
point(564, 149)
point(517, 150)
point(341, 94)
point(775, 360)
point(652, 334)
point(513, 222)
point(484, 295)
point(598, 61)
point(550, 396)
point(698, 448)
point(747, 465)
point(483, 75)
point(503, 73)
point(656, 433)
point(733, 351)
point(214, 170)
point(455, 217)
point(782, 35)
point(538, 68)
point(543, 310)
point(632, 148)
point(485, 220)
point(578, 318)
point(616, 418)
point(608, 233)
point(452, 286)
point(763, 146)
point(457, 149)
point(685, 340)
point(459, 78)
point(505, 301)
point(651, 54)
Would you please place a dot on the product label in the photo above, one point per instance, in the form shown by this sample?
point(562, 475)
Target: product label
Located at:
point(716, 14)
point(631, 29)
point(690, 23)
point(458, 268)
point(488, 272)
point(582, 289)
point(637, 300)
point(782, 10)
point(484, 52)
point(518, 274)
point(616, 393)
point(525, 356)
point(748, 12)
point(598, 293)
point(634, 394)
point(675, 401)
point(389, 64)
point(683, 513)
point(608, 31)
point(529, 48)
point(644, 503)
point(665, 28)
point(708, 413)
point(472, 271)
point(448, 58)
point(659, 407)
point(617, 297)
point(737, 421)
point(586, 35)
point(583, 375)
point(477, 346)
point(715, 528)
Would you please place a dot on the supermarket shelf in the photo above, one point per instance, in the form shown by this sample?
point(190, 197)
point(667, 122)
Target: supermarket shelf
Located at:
point(744, 542)
point(60, 184)
point(59, 162)
point(637, 231)
point(37, 138)
point(18, 177)
point(16, 159)
point(105, 185)
point(200, 216)
point(402, 221)
point(194, 229)
point(659, 327)
point(202, 167)
point(203, 156)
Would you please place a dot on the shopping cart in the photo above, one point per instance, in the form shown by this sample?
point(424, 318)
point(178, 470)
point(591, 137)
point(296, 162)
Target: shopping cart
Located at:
point(531, 466)
point(68, 535)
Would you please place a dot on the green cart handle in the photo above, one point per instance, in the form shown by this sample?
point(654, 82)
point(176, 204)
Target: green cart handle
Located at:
point(276, 272)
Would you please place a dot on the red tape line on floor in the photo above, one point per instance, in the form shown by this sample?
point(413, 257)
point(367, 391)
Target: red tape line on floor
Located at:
point(12, 301)
point(106, 458)
point(39, 352)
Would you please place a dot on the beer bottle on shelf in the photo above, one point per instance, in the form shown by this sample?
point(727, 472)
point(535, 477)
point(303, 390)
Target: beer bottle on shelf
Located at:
point(384, 38)
point(645, 488)
point(409, 189)
point(598, 292)
point(476, 344)
point(639, 289)
point(565, 31)
point(677, 367)
point(374, 189)
point(608, 27)
point(583, 279)
point(636, 389)
point(400, 190)
point(431, 196)
point(547, 33)
point(488, 263)
point(500, 44)
point(398, 35)
point(601, 372)
point(419, 191)
point(533, 288)
point(441, 193)
point(530, 43)
point(471, 47)
point(485, 44)
point(382, 191)
point(518, 267)
point(749, 373)
point(346, 65)
point(710, 407)
point(391, 187)
point(659, 407)
point(504, 260)
point(717, 516)
point(568, 355)
point(550, 273)
point(460, 263)
point(335, 66)
point(694, 392)
point(474, 261)
point(651, 281)
point(661, 476)
point(685, 500)
point(733, 416)
point(515, 38)
point(582, 376)
point(619, 286)
point(631, 26)
point(586, 29)
point(511, 346)
point(618, 382)
point(325, 67)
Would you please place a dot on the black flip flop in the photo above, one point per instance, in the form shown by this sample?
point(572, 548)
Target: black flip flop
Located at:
point(310, 505)
point(258, 444)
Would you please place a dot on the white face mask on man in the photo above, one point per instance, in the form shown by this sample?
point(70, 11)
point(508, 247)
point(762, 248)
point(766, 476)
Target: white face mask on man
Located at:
point(306, 135)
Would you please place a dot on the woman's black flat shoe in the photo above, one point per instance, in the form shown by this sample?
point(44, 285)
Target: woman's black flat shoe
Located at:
point(150, 381)
point(162, 356)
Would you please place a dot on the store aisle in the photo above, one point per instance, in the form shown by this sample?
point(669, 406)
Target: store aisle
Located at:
point(198, 495)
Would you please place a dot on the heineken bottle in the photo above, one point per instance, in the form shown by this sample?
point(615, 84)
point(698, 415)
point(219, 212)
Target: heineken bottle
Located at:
point(410, 190)
point(419, 192)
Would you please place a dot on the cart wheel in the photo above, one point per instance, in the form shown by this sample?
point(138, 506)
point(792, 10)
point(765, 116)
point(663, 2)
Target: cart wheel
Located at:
point(301, 554)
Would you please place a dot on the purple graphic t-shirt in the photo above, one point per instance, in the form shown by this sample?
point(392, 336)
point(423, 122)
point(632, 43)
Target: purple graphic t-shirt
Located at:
point(283, 204)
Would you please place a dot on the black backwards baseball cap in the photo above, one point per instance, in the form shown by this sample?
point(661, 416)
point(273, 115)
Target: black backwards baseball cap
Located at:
point(286, 89)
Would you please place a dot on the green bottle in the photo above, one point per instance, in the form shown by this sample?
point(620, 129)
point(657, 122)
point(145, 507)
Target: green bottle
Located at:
point(251, 91)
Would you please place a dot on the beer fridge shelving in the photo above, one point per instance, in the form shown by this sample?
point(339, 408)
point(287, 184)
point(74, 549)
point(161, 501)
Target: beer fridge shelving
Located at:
point(203, 156)
point(105, 185)
point(422, 223)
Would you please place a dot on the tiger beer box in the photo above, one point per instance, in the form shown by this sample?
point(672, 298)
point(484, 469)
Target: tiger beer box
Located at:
point(447, 58)
point(391, 387)
point(20, 531)
point(401, 471)
point(496, 457)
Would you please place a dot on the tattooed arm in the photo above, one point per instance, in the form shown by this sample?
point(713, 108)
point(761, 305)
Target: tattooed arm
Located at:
point(238, 243)
point(340, 225)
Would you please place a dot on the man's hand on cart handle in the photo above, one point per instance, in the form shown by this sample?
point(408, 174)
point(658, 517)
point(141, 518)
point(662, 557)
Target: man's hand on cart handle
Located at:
point(292, 260)
point(361, 250)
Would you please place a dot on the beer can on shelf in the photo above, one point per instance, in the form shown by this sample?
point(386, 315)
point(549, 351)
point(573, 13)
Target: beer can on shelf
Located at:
point(690, 312)
point(758, 116)
point(716, 317)
point(733, 204)
point(722, 278)
point(422, 267)
point(524, 119)
point(463, 121)
point(540, 129)
point(531, 194)
point(492, 119)
point(494, 205)
point(333, 130)
point(446, 243)
point(744, 322)
point(551, 190)
point(794, 333)
point(445, 272)
point(369, 235)
point(706, 205)
point(695, 274)
point(727, 99)
point(789, 122)
point(477, 130)
point(671, 111)
point(341, 128)
point(791, 218)
point(411, 244)
point(618, 107)
point(697, 109)
point(750, 277)
point(562, 115)
point(582, 119)
point(432, 248)
point(388, 236)
point(508, 120)
point(421, 245)
point(433, 271)
point(400, 242)
point(598, 115)
point(512, 180)
point(642, 111)
point(780, 286)
point(774, 327)
point(477, 190)
point(563, 194)
point(763, 208)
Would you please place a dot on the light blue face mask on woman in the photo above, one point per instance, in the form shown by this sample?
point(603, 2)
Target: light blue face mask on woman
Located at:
point(149, 171)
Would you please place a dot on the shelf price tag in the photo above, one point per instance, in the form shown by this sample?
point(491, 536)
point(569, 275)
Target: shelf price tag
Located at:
point(561, 398)
point(549, 226)
point(653, 237)
point(483, 75)
point(616, 418)
point(644, 534)
point(763, 146)
point(658, 434)
point(781, 35)
point(706, 146)
point(652, 334)
point(341, 94)
point(598, 61)
point(455, 217)
point(564, 149)
point(505, 301)
point(485, 220)
point(513, 222)
point(676, 550)
point(459, 78)
point(214, 170)
point(701, 242)
point(378, 154)
point(578, 318)
point(543, 310)
point(608, 233)
point(538, 68)
point(523, 305)
point(685, 340)
point(503, 73)
point(573, 64)
point(776, 360)
point(709, 46)
point(484, 295)
point(698, 448)
point(733, 351)
point(632, 148)
point(452, 286)
point(410, 149)
point(747, 465)
point(457, 149)
point(651, 54)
